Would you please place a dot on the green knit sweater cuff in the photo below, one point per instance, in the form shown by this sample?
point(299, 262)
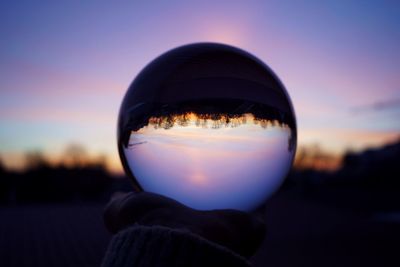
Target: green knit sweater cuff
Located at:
point(158, 246)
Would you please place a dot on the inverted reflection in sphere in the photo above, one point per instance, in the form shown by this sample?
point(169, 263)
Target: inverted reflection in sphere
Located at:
point(208, 125)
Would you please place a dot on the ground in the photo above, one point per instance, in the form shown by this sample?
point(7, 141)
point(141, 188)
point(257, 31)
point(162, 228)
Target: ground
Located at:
point(302, 231)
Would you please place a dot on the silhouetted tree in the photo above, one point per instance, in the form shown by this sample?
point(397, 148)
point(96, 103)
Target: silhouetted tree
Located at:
point(75, 155)
point(315, 158)
point(1, 166)
point(35, 160)
point(4, 183)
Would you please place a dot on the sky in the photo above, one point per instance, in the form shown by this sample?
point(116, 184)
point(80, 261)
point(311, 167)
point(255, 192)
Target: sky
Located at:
point(64, 67)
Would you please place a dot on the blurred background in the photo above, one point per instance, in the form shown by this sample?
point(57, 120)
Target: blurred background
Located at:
point(64, 69)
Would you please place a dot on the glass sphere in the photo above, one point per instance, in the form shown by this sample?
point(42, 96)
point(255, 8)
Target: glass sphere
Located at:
point(208, 125)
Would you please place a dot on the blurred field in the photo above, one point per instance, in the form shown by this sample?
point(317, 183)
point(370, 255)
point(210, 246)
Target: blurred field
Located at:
point(351, 217)
point(304, 231)
point(301, 232)
point(52, 235)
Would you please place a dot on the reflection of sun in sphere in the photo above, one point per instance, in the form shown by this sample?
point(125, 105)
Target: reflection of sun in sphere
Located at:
point(208, 125)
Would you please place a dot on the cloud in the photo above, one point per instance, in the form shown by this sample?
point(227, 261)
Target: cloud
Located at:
point(378, 106)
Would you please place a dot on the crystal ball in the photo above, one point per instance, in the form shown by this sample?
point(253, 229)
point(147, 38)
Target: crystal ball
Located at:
point(208, 125)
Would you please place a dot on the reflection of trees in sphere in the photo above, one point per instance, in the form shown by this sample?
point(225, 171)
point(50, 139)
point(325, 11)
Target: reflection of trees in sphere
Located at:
point(208, 125)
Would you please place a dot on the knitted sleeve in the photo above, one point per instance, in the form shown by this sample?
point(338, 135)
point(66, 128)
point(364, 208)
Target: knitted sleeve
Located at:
point(140, 246)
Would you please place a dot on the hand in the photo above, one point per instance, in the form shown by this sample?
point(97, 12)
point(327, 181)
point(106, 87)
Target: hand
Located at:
point(236, 230)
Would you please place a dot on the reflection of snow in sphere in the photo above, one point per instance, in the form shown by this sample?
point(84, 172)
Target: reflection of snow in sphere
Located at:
point(208, 125)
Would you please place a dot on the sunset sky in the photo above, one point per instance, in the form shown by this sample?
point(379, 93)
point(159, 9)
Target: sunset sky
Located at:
point(193, 161)
point(64, 67)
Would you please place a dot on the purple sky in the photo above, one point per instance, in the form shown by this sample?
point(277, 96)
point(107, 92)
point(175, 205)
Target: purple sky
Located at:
point(193, 162)
point(64, 68)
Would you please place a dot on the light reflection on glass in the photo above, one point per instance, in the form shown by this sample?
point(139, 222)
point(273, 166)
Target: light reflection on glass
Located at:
point(211, 161)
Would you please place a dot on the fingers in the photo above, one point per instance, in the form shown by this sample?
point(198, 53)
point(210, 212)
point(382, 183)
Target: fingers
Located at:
point(256, 236)
point(143, 208)
point(240, 231)
point(252, 235)
point(112, 211)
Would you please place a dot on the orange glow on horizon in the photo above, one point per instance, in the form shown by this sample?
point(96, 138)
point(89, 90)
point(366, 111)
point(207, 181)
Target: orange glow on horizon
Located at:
point(213, 120)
